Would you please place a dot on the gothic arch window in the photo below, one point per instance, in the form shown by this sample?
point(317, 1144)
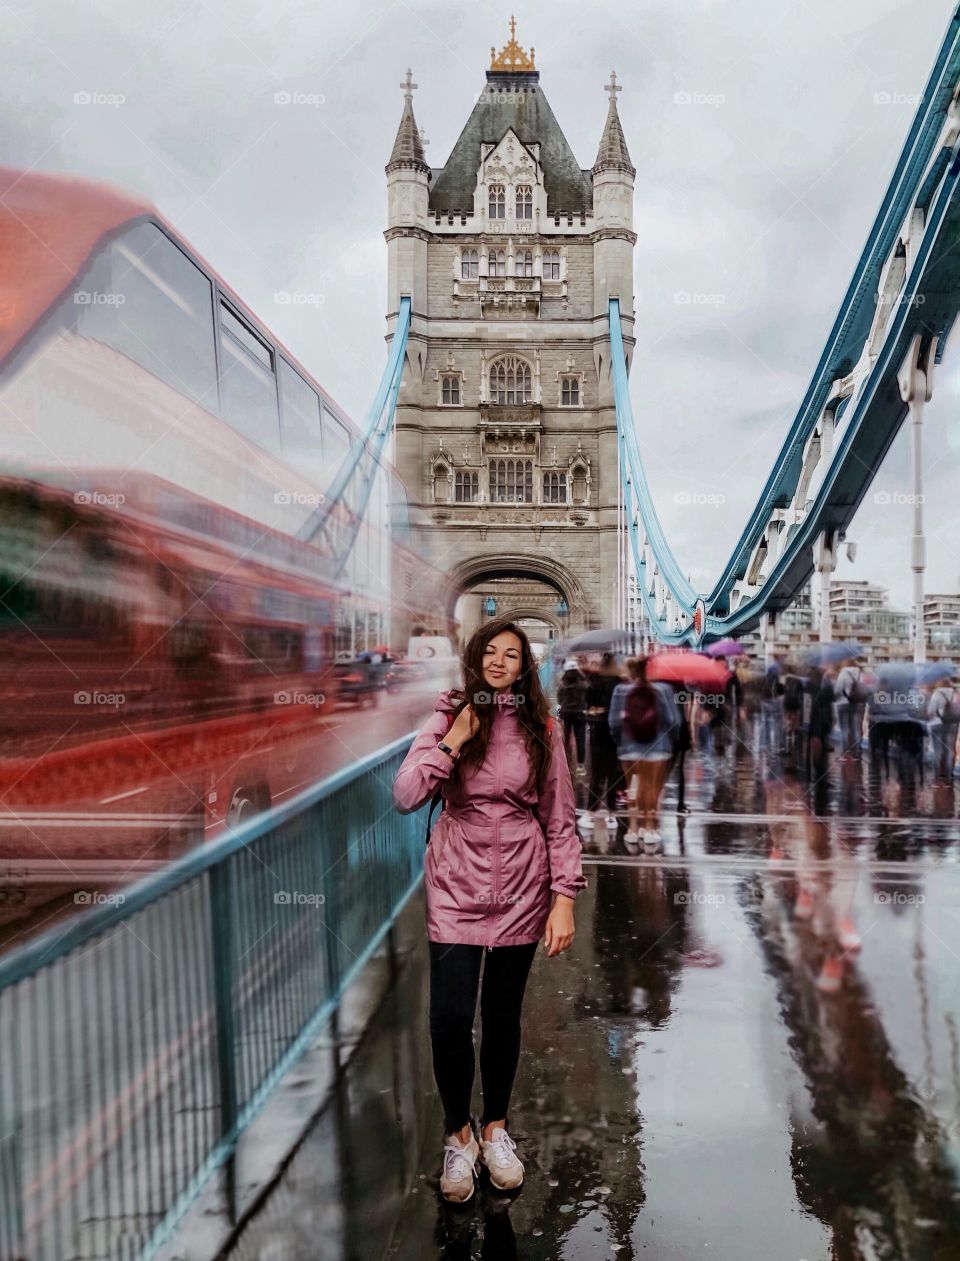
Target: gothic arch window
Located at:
point(450, 393)
point(511, 481)
point(524, 201)
point(498, 202)
point(469, 265)
point(497, 263)
point(524, 263)
point(569, 390)
point(510, 381)
point(466, 486)
point(554, 488)
point(551, 264)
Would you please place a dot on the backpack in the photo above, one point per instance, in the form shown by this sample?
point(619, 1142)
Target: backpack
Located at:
point(793, 693)
point(572, 692)
point(951, 711)
point(772, 687)
point(641, 717)
point(858, 692)
point(435, 799)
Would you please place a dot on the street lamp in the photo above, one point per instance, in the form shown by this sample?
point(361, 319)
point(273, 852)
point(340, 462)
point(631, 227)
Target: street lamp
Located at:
point(490, 606)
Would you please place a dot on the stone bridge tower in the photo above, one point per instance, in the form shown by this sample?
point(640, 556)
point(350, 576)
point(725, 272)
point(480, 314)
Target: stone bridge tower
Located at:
point(505, 427)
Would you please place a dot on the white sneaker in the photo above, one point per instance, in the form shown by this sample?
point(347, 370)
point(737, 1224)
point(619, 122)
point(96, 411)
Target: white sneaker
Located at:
point(652, 842)
point(631, 840)
point(506, 1171)
point(460, 1163)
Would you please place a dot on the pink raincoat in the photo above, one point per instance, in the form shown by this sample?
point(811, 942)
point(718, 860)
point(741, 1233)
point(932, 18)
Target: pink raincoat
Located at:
point(491, 863)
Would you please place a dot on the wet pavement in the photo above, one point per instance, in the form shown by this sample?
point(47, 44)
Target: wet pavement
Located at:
point(751, 1051)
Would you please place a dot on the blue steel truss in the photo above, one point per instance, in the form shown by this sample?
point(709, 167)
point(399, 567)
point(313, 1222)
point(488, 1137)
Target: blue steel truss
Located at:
point(902, 300)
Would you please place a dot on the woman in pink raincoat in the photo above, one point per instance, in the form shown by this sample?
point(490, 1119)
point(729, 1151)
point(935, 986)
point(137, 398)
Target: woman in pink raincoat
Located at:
point(502, 871)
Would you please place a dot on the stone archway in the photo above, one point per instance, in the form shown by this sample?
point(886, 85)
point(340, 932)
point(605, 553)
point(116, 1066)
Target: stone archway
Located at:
point(476, 569)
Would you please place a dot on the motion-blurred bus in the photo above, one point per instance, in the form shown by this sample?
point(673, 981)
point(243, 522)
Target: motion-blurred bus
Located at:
point(168, 626)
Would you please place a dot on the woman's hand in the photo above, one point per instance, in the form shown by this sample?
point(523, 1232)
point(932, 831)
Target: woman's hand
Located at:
point(464, 727)
point(558, 935)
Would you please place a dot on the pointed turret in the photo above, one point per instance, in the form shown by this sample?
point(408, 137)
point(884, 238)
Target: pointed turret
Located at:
point(613, 154)
point(408, 146)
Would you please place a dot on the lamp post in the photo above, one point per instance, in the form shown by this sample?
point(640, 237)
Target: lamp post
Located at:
point(489, 606)
point(563, 610)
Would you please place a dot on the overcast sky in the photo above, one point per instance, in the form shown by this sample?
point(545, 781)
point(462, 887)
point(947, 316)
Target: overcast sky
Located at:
point(763, 134)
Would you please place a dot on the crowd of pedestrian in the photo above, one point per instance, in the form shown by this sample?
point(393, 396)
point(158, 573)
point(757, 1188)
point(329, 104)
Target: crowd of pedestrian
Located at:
point(625, 733)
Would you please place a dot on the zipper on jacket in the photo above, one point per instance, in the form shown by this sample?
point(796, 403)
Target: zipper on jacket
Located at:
point(496, 847)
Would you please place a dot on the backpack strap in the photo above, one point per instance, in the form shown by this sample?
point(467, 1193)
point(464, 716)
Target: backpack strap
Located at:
point(438, 795)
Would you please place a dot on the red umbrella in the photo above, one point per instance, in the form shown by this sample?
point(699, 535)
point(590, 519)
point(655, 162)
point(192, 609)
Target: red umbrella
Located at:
point(689, 668)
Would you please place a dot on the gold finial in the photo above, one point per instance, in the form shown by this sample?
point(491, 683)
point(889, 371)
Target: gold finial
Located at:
point(512, 56)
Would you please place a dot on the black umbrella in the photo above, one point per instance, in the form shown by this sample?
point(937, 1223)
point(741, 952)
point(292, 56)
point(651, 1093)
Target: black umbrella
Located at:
point(598, 641)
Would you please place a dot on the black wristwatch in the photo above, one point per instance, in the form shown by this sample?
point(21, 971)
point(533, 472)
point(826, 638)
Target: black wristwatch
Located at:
point(445, 748)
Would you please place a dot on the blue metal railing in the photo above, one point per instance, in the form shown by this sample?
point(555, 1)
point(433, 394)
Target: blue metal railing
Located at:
point(139, 1041)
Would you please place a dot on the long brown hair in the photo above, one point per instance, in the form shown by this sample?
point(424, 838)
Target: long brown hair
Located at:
point(532, 707)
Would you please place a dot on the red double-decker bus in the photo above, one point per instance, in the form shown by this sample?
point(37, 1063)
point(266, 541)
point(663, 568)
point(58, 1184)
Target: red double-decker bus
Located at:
point(169, 641)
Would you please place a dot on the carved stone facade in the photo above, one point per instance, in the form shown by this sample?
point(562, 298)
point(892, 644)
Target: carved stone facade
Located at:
point(505, 428)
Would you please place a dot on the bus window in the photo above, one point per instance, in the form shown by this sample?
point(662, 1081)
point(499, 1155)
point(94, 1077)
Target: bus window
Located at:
point(146, 299)
point(301, 416)
point(249, 384)
point(336, 444)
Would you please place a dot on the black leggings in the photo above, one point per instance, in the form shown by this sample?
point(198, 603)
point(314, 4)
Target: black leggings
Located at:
point(454, 981)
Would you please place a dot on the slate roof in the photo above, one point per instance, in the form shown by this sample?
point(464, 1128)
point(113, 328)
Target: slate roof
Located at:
point(512, 99)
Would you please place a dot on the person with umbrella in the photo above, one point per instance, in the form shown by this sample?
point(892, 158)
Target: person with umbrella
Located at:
point(943, 711)
point(605, 777)
point(853, 692)
point(643, 717)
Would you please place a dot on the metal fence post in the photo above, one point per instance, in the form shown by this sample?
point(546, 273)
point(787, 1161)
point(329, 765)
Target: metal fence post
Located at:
point(222, 928)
